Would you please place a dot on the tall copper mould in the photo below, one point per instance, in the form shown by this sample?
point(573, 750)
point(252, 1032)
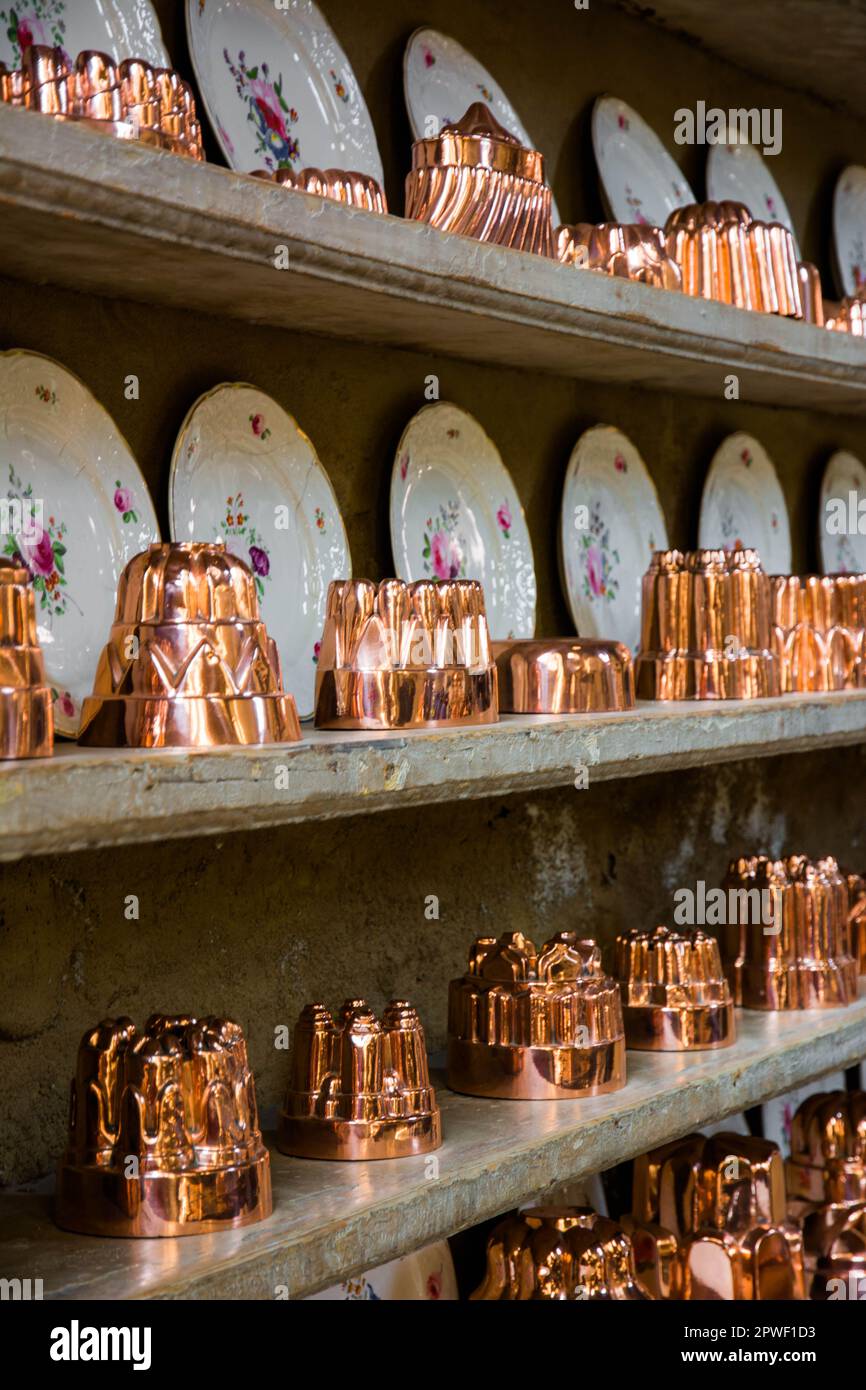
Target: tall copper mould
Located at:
point(340, 185)
point(359, 1086)
point(819, 630)
point(563, 675)
point(405, 656)
point(631, 251)
point(164, 1133)
point(130, 100)
point(188, 661)
point(724, 254)
point(567, 1254)
point(675, 997)
point(26, 708)
point(535, 1025)
point(786, 942)
point(476, 179)
point(705, 628)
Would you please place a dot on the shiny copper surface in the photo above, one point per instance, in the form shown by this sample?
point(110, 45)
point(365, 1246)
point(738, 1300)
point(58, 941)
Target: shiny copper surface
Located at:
point(819, 630)
point(405, 656)
point(846, 316)
point(826, 1179)
point(341, 185)
point(529, 1025)
point(26, 707)
point(840, 1269)
point(163, 1132)
point(801, 957)
point(188, 661)
point(632, 251)
point(705, 628)
point(569, 1254)
point(675, 997)
point(724, 254)
point(476, 179)
point(359, 1086)
point(811, 294)
point(563, 675)
point(857, 918)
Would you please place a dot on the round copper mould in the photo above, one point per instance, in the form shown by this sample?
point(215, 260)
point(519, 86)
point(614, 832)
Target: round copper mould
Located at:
point(563, 675)
point(560, 1253)
point(675, 997)
point(26, 708)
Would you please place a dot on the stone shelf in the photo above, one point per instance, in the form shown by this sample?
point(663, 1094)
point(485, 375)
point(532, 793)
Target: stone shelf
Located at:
point(86, 211)
point(332, 1220)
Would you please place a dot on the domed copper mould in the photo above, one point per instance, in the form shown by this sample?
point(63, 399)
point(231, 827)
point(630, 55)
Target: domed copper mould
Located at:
point(724, 254)
point(130, 100)
point(563, 675)
point(786, 944)
point(568, 1254)
point(705, 628)
point(530, 1025)
point(675, 997)
point(163, 1132)
point(630, 251)
point(476, 179)
point(360, 1087)
point(708, 1221)
point(405, 656)
point(341, 185)
point(26, 709)
point(188, 663)
point(819, 630)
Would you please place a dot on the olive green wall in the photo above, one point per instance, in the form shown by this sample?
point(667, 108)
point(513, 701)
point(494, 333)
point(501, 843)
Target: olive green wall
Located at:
point(255, 925)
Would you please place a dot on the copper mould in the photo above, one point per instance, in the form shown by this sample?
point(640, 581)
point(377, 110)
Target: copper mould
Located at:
point(26, 708)
point(724, 254)
point(130, 100)
point(476, 179)
point(705, 628)
point(709, 1221)
point(786, 944)
point(563, 675)
point(528, 1025)
point(341, 185)
point(163, 1132)
point(359, 1087)
point(405, 656)
point(188, 663)
point(632, 251)
point(568, 1254)
point(811, 294)
point(819, 627)
point(857, 918)
point(848, 316)
point(826, 1178)
point(840, 1268)
point(675, 997)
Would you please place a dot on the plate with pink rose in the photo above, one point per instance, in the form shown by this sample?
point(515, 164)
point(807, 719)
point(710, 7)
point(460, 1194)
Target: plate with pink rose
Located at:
point(610, 524)
point(121, 28)
point(244, 472)
point(455, 514)
point(76, 511)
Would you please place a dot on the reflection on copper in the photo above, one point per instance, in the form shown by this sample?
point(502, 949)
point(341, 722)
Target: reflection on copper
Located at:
point(811, 294)
point(675, 997)
point(529, 1025)
point(359, 1086)
point(405, 656)
point(130, 100)
point(26, 708)
point(819, 630)
point(563, 675)
point(476, 179)
point(840, 1268)
point(724, 254)
point(826, 1178)
point(786, 942)
point(568, 1254)
point(631, 251)
point(705, 628)
point(846, 316)
point(188, 663)
point(164, 1133)
point(857, 918)
point(341, 185)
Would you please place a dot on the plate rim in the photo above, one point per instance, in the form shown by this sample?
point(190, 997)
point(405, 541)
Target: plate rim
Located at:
point(594, 121)
point(716, 461)
point(823, 497)
point(838, 272)
point(714, 155)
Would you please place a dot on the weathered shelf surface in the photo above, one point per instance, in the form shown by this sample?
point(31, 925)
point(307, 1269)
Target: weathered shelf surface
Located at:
point(84, 799)
point(87, 211)
point(332, 1220)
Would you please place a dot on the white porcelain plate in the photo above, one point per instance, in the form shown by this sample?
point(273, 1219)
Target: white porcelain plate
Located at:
point(456, 515)
point(609, 526)
point(738, 173)
point(122, 28)
point(441, 81)
point(743, 504)
point(640, 181)
point(244, 473)
point(426, 1274)
point(278, 88)
point(843, 495)
point(78, 511)
point(849, 229)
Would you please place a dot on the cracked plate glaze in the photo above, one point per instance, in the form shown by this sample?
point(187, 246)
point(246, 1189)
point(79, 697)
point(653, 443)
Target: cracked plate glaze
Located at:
point(121, 28)
point(243, 472)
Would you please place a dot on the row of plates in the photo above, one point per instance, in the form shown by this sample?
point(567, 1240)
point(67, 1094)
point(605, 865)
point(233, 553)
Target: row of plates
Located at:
point(280, 93)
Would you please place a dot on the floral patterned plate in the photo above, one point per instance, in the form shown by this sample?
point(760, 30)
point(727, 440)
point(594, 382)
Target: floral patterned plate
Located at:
point(278, 88)
point(841, 542)
point(849, 230)
point(426, 1274)
point(456, 515)
point(739, 173)
point(610, 524)
point(742, 504)
point(78, 509)
point(640, 181)
point(244, 473)
point(122, 28)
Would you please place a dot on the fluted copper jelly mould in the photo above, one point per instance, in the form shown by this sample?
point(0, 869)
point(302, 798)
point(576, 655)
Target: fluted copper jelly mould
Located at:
point(568, 1254)
point(563, 675)
point(725, 254)
point(630, 251)
point(675, 997)
point(819, 631)
point(340, 185)
point(26, 708)
point(826, 1183)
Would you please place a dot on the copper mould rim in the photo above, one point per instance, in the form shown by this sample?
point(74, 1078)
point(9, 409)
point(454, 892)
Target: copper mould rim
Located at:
point(478, 140)
point(205, 721)
point(441, 698)
point(698, 1028)
point(674, 676)
point(313, 1136)
point(536, 1073)
point(563, 675)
